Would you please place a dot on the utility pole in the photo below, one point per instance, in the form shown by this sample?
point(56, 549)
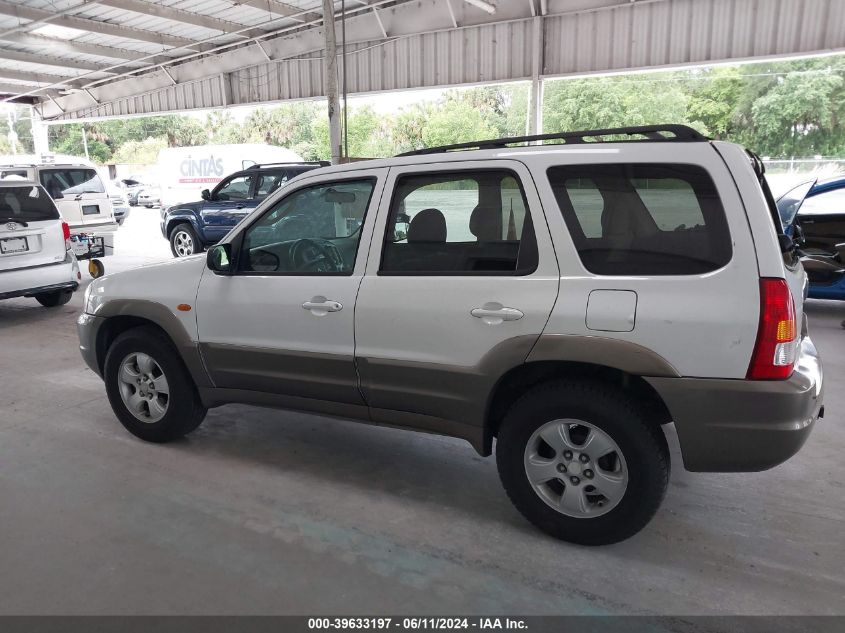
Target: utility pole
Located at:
point(85, 143)
point(330, 67)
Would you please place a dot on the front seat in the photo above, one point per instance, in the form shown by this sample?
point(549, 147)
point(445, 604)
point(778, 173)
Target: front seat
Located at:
point(429, 225)
point(427, 242)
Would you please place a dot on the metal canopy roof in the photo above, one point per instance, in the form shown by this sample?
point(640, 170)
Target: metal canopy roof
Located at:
point(97, 58)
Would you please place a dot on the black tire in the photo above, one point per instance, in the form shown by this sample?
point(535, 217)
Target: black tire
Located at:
point(187, 230)
point(642, 444)
point(54, 299)
point(184, 409)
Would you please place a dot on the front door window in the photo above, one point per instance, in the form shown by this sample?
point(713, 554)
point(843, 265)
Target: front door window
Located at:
point(313, 230)
point(235, 189)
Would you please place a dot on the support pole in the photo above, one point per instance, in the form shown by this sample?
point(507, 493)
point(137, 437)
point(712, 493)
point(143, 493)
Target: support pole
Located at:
point(331, 80)
point(39, 133)
point(535, 99)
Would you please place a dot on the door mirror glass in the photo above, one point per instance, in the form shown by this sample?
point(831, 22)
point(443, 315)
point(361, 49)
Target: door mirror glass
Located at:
point(219, 259)
point(206, 194)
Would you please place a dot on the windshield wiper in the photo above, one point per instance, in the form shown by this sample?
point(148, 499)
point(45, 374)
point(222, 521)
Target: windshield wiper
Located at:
point(11, 219)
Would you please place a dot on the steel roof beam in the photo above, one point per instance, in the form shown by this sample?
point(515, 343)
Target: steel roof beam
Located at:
point(274, 6)
point(94, 26)
point(14, 89)
point(46, 60)
point(175, 15)
point(69, 46)
point(38, 78)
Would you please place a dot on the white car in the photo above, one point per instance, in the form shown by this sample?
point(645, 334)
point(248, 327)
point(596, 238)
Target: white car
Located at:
point(79, 194)
point(565, 301)
point(149, 196)
point(35, 255)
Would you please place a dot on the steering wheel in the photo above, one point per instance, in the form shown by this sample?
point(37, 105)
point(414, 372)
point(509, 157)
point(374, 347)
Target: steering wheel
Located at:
point(316, 255)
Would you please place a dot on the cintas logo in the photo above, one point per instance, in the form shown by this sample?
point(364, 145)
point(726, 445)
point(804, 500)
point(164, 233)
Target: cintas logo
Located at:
point(202, 168)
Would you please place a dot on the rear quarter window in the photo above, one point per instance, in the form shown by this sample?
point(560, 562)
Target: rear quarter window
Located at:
point(643, 219)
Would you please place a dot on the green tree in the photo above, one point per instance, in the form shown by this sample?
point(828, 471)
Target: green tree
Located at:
point(455, 122)
point(583, 104)
point(140, 152)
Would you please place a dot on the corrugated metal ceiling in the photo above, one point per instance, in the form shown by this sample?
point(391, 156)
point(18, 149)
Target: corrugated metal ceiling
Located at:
point(404, 44)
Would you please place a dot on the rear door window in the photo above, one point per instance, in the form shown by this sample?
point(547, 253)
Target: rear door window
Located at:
point(459, 223)
point(268, 182)
point(71, 182)
point(26, 204)
point(643, 219)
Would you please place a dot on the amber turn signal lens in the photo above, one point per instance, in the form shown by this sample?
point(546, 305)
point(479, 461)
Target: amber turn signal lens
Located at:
point(183, 307)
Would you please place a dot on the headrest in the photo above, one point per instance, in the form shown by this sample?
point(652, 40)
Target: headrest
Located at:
point(484, 224)
point(429, 225)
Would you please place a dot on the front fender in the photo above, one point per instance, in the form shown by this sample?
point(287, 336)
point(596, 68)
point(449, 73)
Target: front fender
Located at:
point(180, 216)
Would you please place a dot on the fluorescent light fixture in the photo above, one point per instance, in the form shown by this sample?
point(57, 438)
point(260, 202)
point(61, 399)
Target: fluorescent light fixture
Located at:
point(57, 32)
point(481, 4)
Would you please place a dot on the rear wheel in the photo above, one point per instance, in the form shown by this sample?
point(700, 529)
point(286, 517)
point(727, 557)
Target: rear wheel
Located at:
point(580, 462)
point(54, 299)
point(149, 388)
point(184, 241)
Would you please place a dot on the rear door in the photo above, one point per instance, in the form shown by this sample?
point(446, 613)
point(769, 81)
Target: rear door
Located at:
point(30, 228)
point(460, 281)
point(230, 201)
point(80, 196)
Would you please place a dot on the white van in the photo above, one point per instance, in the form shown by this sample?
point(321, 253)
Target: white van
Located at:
point(183, 172)
point(80, 195)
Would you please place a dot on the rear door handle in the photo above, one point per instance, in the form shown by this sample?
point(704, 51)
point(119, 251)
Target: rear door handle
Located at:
point(495, 313)
point(320, 306)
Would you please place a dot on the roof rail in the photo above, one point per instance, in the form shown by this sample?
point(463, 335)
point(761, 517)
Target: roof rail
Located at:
point(292, 163)
point(643, 133)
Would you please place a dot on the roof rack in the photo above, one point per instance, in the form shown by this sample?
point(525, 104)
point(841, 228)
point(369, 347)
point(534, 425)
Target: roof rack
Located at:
point(292, 163)
point(647, 133)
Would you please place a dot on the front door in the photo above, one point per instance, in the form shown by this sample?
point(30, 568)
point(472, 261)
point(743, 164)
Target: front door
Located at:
point(283, 324)
point(460, 283)
point(230, 202)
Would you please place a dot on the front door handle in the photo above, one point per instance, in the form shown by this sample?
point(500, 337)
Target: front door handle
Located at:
point(495, 313)
point(320, 306)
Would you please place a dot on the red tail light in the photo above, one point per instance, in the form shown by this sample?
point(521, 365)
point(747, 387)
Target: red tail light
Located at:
point(776, 346)
point(66, 230)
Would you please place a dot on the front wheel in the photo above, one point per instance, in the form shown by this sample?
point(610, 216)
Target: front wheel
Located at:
point(54, 299)
point(579, 461)
point(184, 241)
point(149, 388)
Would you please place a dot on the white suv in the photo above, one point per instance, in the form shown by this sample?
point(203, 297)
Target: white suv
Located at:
point(566, 300)
point(35, 256)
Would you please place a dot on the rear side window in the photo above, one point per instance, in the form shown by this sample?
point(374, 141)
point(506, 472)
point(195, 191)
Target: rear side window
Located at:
point(26, 204)
point(71, 182)
point(459, 223)
point(643, 219)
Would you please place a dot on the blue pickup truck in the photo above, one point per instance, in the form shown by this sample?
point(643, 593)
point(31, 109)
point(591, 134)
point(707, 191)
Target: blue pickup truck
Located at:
point(194, 226)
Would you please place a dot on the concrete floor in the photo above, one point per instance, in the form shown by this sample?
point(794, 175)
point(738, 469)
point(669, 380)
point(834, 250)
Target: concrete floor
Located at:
point(267, 512)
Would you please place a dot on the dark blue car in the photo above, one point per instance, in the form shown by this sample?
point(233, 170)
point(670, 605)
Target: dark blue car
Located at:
point(194, 226)
point(814, 212)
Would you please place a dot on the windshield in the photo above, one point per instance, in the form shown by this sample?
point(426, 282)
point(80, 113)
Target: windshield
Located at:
point(71, 181)
point(790, 203)
point(26, 204)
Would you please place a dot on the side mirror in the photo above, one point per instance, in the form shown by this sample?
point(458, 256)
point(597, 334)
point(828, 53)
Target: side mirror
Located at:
point(206, 194)
point(219, 259)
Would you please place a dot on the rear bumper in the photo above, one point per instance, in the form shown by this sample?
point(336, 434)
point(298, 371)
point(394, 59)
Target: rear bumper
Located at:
point(27, 282)
point(744, 425)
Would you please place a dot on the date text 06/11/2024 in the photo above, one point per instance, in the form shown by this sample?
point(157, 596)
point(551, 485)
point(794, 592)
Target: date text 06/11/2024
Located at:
point(417, 624)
